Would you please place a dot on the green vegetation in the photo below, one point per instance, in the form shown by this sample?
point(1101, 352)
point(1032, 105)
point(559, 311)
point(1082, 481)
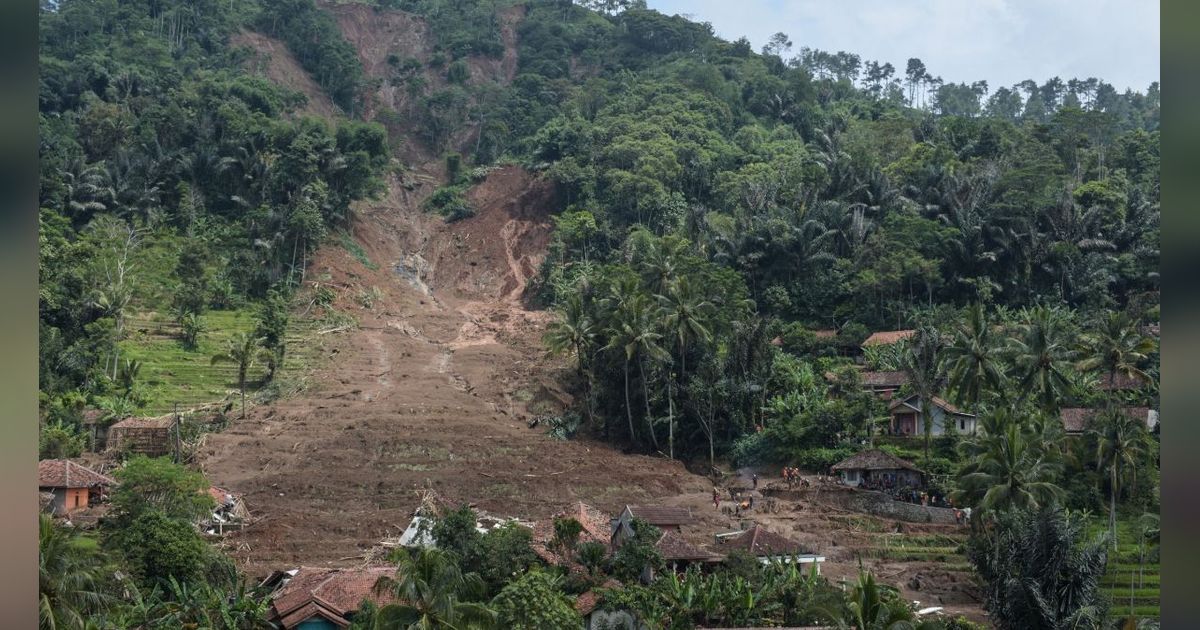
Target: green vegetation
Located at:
point(147, 566)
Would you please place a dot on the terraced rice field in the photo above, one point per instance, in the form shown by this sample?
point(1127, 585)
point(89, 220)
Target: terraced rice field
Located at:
point(1130, 590)
point(171, 373)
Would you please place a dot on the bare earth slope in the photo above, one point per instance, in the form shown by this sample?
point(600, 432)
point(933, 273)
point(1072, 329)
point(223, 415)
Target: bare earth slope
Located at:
point(430, 390)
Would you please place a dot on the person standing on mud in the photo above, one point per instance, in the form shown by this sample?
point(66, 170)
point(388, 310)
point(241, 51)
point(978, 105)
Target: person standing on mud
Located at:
point(716, 498)
point(754, 479)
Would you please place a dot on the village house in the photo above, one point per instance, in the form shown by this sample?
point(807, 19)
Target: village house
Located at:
point(679, 553)
point(768, 546)
point(310, 598)
point(887, 337)
point(884, 384)
point(229, 512)
point(877, 468)
point(1076, 420)
point(144, 436)
point(1119, 383)
point(74, 487)
point(676, 550)
point(587, 604)
point(906, 417)
point(595, 529)
point(663, 517)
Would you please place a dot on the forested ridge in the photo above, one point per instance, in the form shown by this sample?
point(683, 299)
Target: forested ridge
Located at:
point(733, 224)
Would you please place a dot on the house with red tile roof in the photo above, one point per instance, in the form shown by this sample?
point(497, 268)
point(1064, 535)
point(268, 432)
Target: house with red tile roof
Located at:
point(887, 337)
point(325, 599)
point(596, 528)
point(1076, 420)
point(666, 518)
point(74, 487)
point(768, 546)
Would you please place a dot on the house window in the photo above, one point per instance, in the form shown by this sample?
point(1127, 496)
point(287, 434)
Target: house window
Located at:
point(962, 424)
point(76, 499)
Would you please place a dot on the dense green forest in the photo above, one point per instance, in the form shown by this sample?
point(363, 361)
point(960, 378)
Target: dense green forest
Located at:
point(718, 207)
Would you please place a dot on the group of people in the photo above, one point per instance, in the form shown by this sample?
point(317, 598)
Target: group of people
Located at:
point(739, 504)
point(792, 477)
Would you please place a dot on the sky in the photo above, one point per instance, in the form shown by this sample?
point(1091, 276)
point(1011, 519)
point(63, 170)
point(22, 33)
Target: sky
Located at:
point(1001, 41)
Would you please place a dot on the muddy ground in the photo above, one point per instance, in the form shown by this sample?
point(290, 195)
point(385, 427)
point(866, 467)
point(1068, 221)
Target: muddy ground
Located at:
point(435, 389)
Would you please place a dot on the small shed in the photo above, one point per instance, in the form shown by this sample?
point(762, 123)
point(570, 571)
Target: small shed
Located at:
point(74, 487)
point(144, 436)
point(96, 424)
point(876, 468)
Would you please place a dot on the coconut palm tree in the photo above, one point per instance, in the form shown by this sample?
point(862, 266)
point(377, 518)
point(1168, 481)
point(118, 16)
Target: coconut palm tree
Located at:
point(244, 351)
point(874, 606)
point(634, 329)
point(1041, 358)
point(1011, 470)
point(686, 314)
point(574, 332)
point(972, 359)
point(922, 363)
point(1121, 443)
point(430, 591)
point(1115, 345)
point(70, 577)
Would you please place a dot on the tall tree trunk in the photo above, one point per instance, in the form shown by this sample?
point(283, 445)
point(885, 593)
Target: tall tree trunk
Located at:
point(628, 407)
point(670, 421)
point(1112, 505)
point(646, 399)
point(927, 420)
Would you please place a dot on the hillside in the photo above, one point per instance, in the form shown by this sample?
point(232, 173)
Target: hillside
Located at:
point(528, 254)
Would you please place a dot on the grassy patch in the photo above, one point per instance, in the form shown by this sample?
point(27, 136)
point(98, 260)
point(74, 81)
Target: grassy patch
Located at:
point(350, 245)
point(173, 374)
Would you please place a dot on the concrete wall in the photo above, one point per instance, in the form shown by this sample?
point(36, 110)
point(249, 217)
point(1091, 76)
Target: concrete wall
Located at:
point(65, 499)
point(869, 502)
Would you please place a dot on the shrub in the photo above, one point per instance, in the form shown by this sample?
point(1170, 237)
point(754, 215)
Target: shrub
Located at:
point(159, 547)
point(535, 602)
point(59, 441)
point(450, 202)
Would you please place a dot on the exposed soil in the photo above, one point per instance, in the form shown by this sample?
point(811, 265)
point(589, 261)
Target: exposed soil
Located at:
point(273, 60)
point(433, 389)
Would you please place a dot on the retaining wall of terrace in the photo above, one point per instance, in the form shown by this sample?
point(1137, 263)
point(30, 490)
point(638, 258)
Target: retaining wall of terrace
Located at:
point(868, 501)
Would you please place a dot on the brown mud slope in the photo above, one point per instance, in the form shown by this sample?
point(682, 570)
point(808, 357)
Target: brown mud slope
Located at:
point(274, 61)
point(433, 389)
